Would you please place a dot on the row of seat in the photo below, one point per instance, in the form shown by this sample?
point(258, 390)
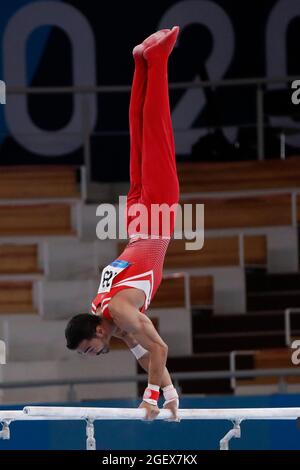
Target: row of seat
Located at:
point(246, 211)
point(279, 358)
point(38, 182)
point(19, 259)
point(22, 259)
point(237, 176)
point(218, 251)
point(18, 296)
point(36, 220)
point(47, 181)
point(227, 213)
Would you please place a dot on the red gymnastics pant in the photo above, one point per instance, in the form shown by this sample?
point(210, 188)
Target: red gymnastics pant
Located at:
point(153, 175)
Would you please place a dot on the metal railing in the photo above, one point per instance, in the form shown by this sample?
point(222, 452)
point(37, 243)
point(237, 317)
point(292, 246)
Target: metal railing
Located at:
point(232, 364)
point(258, 82)
point(287, 324)
point(280, 373)
point(288, 340)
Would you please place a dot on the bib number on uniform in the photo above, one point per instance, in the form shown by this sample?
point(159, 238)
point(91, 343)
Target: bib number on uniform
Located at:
point(109, 273)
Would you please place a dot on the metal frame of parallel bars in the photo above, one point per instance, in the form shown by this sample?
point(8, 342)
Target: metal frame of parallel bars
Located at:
point(90, 415)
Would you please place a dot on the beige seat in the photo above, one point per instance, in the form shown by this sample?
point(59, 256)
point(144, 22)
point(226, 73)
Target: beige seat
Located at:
point(19, 259)
point(170, 293)
point(245, 212)
point(271, 359)
point(47, 181)
point(16, 297)
point(208, 177)
point(42, 219)
point(216, 252)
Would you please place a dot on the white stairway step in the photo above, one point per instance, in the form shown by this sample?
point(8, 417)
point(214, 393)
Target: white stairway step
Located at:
point(77, 259)
point(115, 364)
point(31, 338)
point(63, 299)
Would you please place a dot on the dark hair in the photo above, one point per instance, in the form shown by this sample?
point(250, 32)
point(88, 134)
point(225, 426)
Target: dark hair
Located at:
point(80, 327)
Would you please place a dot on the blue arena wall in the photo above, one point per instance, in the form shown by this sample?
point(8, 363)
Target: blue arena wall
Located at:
point(134, 435)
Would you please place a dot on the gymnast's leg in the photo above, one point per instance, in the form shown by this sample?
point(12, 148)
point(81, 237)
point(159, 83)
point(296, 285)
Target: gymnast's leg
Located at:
point(136, 106)
point(159, 175)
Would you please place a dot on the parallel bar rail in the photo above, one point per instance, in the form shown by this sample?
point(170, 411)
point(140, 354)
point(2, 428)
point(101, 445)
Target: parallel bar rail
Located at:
point(136, 414)
point(92, 414)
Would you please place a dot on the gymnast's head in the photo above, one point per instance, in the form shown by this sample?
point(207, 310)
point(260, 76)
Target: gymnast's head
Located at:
point(87, 334)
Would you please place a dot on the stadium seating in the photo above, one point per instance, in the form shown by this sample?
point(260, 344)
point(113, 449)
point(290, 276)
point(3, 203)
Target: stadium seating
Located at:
point(37, 205)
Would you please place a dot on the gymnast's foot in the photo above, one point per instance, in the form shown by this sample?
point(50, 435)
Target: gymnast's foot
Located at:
point(161, 44)
point(138, 51)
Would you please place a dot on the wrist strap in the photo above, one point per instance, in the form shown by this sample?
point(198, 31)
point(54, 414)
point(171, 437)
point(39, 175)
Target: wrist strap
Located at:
point(151, 394)
point(170, 393)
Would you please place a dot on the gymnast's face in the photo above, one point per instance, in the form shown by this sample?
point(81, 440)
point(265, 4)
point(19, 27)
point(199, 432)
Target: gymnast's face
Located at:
point(95, 346)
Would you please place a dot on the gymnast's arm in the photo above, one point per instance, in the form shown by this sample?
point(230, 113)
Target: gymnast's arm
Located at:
point(143, 360)
point(129, 319)
point(143, 357)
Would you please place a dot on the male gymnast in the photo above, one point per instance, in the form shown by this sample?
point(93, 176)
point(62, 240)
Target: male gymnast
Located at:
point(129, 283)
